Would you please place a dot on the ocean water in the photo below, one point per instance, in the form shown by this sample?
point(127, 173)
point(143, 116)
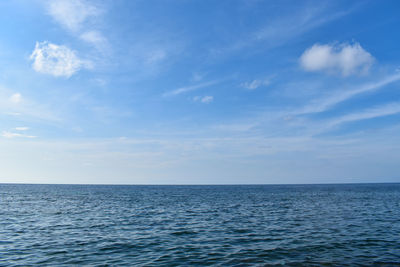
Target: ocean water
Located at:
point(249, 225)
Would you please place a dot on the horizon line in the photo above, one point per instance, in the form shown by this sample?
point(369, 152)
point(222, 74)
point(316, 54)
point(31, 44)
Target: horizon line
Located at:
point(235, 184)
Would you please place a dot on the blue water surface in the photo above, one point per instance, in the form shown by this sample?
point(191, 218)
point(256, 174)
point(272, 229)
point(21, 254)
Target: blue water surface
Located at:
point(238, 225)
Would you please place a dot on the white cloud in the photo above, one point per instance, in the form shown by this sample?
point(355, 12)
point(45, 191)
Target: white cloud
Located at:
point(203, 99)
point(22, 128)
point(191, 88)
point(255, 84)
point(323, 104)
point(386, 110)
point(7, 134)
point(71, 14)
point(16, 98)
point(95, 38)
point(346, 59)
point(81, 18)
point(13, 103)
point(288, 26)
point(56, 60)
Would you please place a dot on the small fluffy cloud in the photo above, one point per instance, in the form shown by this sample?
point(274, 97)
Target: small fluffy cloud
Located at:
point(56, 60)
point(71, 14)
point(255, 84)
point(16, 98)
point(204, 99)
point(346, 59)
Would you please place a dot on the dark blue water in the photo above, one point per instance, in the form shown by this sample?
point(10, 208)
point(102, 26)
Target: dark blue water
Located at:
point(200, 225)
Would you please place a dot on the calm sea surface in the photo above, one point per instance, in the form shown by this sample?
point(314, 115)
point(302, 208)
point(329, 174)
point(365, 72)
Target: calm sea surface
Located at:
point(255, 225)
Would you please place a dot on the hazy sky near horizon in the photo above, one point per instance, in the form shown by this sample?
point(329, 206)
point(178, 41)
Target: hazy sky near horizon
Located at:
point(199, 91)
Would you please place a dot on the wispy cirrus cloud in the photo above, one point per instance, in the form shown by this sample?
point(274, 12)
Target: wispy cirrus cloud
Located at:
point(21, 128)
point(56, 60)
point(313, 128)
point(97, 39)
point(8, 134)
point(322, 104)
point(375, 112)
point(345, 59)
point(72, 14)
point(79, 17)
point(16, 104)
point(190, 88)
point(288, 26)
point(297, 122)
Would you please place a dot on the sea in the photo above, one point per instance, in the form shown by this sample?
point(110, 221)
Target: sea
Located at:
point(200, 225)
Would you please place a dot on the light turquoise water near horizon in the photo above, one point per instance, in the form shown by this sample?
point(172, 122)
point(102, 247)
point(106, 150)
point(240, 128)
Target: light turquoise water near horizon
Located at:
point(222, 225)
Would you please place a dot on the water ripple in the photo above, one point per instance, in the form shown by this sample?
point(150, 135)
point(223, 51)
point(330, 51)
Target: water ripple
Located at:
point(299, 225)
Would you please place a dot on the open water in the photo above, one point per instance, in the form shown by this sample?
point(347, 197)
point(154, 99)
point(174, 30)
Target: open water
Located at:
point(246, 225)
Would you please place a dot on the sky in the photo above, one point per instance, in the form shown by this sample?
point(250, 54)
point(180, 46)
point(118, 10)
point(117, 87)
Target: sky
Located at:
point(199, 91)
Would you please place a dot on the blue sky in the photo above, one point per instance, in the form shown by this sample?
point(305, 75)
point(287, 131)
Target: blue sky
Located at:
point(199, 92)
